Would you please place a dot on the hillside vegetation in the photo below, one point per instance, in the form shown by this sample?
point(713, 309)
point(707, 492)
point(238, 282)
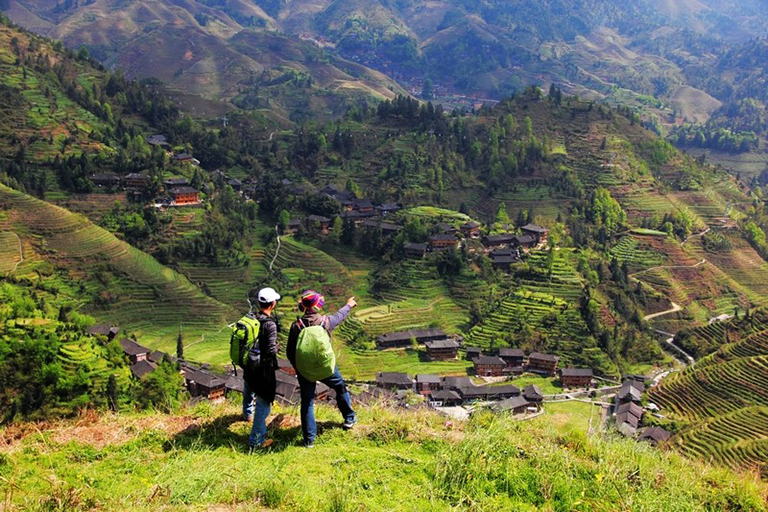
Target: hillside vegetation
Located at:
point(393, 460)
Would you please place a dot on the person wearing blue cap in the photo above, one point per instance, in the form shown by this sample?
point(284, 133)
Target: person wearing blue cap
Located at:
point(260, 370)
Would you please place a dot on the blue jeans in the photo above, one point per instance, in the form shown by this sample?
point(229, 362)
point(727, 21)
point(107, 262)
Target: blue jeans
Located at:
point(248, 403)
point(259, 429)
point(335, 382)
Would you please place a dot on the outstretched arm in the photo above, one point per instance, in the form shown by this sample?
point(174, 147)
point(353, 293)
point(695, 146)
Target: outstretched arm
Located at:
point(338, 317)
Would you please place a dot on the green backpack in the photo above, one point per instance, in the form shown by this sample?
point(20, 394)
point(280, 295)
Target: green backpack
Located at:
point(245, 336)
point(315, 359)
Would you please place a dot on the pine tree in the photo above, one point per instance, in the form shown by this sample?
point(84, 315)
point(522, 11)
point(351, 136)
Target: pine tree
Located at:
point(112, 392)
point(180, 345)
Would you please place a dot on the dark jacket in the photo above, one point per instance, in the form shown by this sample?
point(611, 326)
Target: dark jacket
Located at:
point(309, 320)
point(261, 376)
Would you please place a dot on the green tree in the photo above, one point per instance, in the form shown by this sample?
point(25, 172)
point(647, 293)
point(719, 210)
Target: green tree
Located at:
point(180, 345)
point(337, 229)
point(284, 219)
point(427, 92)
point(501, 213)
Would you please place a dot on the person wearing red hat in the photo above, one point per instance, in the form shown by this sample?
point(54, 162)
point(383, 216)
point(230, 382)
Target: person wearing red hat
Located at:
point(310, 304)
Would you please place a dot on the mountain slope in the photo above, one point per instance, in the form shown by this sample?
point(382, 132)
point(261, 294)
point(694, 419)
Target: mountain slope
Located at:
point(217, 52)
point(120, 283)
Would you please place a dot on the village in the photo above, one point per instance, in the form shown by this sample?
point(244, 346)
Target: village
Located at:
point(490, 386)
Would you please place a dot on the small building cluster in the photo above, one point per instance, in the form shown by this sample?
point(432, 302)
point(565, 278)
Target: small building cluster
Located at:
point(512, 361)
point(576, 377)
point(628, 412)
point(447, 349)
point(456, 391)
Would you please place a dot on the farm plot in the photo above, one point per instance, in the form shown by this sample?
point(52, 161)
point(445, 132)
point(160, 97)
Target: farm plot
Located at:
point(738, 440)
point(636, 252)
point(10, 254)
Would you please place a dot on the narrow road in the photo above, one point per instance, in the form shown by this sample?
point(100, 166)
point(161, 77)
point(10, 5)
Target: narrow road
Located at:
point(703, 261)
point(674, 309)
point(277, 251)
point(21, 253)
point(696, 234)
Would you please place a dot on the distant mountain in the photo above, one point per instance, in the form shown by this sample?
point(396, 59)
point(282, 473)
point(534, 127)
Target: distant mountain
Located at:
point(221, 51)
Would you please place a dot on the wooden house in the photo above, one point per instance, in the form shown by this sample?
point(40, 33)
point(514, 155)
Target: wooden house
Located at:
point(543, 364)
point(403, 338)
point(393, 380)
point(514, 358)
point(186, 158)
point(576, 377)
point(105, 179)
point(540, 234)
point(445, 228)
point(236, 184)
point(387, 228)
point(502, 391)
point(489, 366)
point(157, 140)
point(442, 241)
point(533, 394)
point(470, 229)
point(416, 250)
point(654, 435)
point(293, 227)
point(176, 182)
point(525, 241)
point(184, 196)
point(363, 206)
point(387, 208)
point(503, 258)
point(319, 223)
point(426, 383)
point(473, 353)
point(142, 368)
point(106, 330)
point(134, 351)
point(515, 405)
point(444, 398)
point(234, 384)
point(498, 240)
point(204, 384)
point(136, 181)
point(630, 392)
point(442, 350)
point(455, 383)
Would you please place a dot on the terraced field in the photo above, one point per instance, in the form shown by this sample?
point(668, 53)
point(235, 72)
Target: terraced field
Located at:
point(636, 253)
point(82, 357)
point(134, 290)
point(721, 403)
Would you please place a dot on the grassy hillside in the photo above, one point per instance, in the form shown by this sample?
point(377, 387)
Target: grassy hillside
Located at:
point(393, 460)
point(116, 282)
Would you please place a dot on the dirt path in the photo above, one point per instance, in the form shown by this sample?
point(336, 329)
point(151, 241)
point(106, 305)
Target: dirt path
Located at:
point(703, 261)
point(674, 309)
point(277, 251)
point(21, 253)
point(696, 234)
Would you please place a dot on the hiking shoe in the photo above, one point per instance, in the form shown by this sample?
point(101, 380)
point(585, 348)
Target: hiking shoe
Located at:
point(308, 444)
point(263, 446)
point(248, 417)
point(348, 424)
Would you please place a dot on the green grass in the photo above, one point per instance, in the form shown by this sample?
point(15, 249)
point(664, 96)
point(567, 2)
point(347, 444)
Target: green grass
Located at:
point(572, 414)
point(548, 386)
point(393, 460)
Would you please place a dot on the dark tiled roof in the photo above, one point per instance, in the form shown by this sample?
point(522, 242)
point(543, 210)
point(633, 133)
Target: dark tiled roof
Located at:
point(392, 378)
point(474, 349)
point(507, 238)
point(413, 333)
point(525, 239)
point(176, 182)
point(657, 434)
point(416, 247)
point(510, 404)
point(626, 417)
point(631, 408)
point(205, 379)
point(444, 394)
point(470, 225)
point(441, 344)
point(132, 348)
point(235, 383)
point(423, 378)
point(183, 190)
point(504, 389)
point(534, 228)
point(156, 356)
point(318, 218)
point(544, 357)
point(511, 352)
point(456, 382)
point(532, 391)
point(490, 360)
point(504, 260)
point(576, 372)
point(103, 329)
point(443, 237)
point(142, 368)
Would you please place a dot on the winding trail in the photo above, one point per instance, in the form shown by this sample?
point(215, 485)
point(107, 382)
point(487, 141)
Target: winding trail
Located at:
point(703, 261)
point(277, 251)
point(21, 252)
point(674, 309)
point(697, 234)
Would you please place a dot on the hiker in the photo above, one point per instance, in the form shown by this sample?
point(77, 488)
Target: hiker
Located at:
point(259, 376)
point(310, 304)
